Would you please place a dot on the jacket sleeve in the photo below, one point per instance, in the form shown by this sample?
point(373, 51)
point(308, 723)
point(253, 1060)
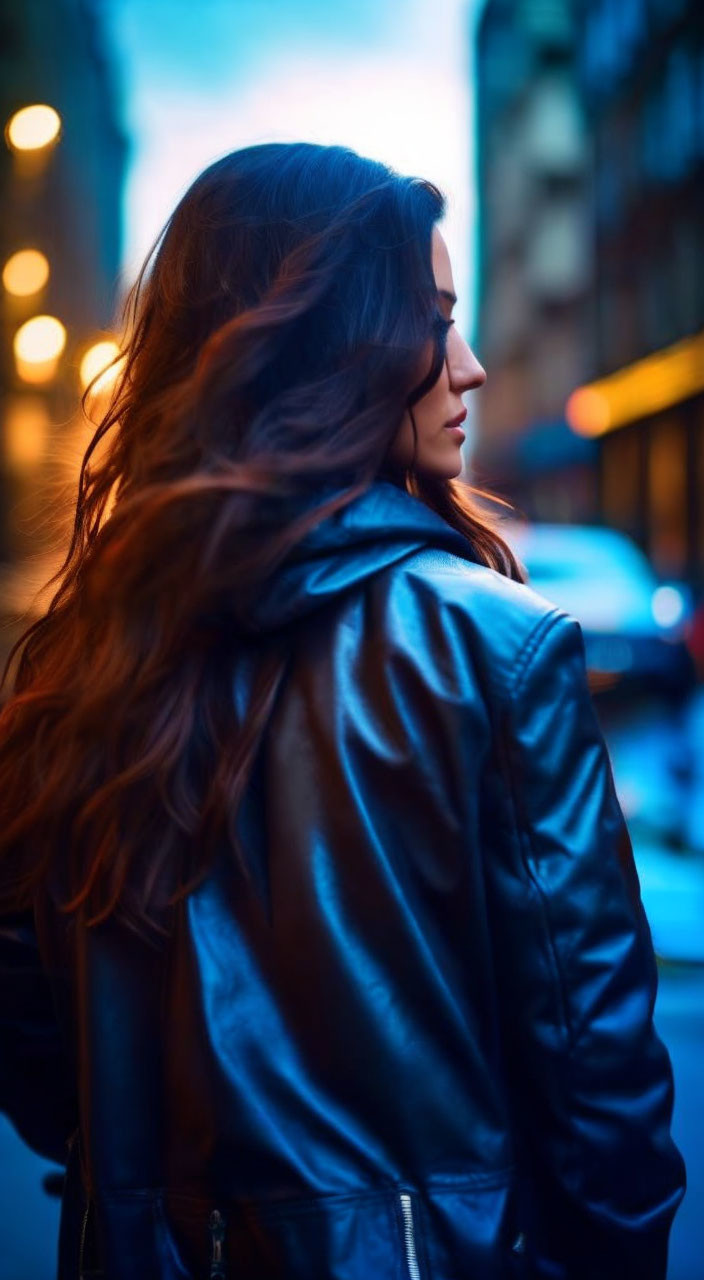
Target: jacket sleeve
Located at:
point(36, 1091)
point(592, 1082)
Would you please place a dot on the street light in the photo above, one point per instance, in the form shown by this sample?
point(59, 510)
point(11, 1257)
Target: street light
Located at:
point(37, 345)
point(32, 128)
point(98, 363)
point(25, 273)
point(26, 429)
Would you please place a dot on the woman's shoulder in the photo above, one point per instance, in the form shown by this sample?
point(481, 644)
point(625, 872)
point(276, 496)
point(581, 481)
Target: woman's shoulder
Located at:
point(499, 618)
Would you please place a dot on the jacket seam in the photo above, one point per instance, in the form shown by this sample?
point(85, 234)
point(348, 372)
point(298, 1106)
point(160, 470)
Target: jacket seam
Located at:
point(542, 627)
point(525, 844)
point(488, 1179)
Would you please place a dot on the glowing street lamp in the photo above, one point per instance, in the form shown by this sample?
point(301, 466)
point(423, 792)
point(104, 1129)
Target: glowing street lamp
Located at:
point(98, 363)
point(26, 431)
point(32, 128)
point(37, 345)
point(25, 273)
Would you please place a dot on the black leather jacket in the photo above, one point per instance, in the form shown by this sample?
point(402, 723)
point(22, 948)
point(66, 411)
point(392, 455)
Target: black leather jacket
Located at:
point(423, 1049)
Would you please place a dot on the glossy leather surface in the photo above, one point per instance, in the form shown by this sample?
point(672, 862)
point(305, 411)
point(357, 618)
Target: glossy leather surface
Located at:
point(442, 987)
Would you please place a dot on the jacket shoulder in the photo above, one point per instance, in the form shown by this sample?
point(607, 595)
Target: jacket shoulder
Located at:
point(500, 621)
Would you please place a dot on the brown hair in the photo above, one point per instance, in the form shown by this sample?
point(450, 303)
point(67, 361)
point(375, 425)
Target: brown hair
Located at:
point(270, 353)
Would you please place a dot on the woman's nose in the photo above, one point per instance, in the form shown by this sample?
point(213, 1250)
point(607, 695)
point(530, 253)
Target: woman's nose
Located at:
point(466, 371)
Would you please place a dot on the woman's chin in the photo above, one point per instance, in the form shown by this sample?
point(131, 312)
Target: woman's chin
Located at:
point(443, 468)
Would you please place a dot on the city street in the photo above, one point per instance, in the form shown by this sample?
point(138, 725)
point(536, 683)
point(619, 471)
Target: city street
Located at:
point(658, 761)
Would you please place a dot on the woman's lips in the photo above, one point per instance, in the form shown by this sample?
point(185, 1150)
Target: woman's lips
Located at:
point(454, 427)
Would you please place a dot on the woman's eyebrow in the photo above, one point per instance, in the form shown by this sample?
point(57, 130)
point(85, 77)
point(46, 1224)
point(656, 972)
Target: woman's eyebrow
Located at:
point(445, 293)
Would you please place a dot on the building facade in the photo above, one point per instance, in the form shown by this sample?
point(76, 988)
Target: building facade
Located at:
point(61, 201)
point(620, 312)
point(641, 76)
point(534, 261)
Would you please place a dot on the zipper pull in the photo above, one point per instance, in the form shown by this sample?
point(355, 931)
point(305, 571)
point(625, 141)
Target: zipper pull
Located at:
point(216, 1227)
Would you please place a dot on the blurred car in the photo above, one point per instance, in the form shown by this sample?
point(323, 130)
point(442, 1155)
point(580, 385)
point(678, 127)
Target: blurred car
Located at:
point(634, 625)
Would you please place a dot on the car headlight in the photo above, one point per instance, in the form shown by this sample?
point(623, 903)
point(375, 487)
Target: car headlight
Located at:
point(668, 606)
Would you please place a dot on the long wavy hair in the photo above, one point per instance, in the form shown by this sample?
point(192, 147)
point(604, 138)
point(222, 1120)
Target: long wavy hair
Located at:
point(273, 341)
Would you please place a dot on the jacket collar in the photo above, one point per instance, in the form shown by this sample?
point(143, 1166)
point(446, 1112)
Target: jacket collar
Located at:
point(377, 529)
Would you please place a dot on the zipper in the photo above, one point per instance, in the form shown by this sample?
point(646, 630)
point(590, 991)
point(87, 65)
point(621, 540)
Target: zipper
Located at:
point(216, 1227)
point(82, 1245)
point(409, 1235)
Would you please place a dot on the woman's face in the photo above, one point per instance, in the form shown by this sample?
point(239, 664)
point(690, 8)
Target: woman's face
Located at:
point(438, 451)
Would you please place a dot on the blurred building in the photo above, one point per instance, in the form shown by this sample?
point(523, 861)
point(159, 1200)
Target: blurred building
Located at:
point(591, 246)
point(61, 201)
point(641, 74)
point(535, 265)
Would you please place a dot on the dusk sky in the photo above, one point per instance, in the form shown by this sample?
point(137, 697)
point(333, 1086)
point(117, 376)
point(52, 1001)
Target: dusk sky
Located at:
point(390, 78)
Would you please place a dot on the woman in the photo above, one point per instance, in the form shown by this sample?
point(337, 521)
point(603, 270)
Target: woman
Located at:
point(326, 918)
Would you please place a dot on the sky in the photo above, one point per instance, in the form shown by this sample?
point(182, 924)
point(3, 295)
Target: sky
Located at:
point(389, 78)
